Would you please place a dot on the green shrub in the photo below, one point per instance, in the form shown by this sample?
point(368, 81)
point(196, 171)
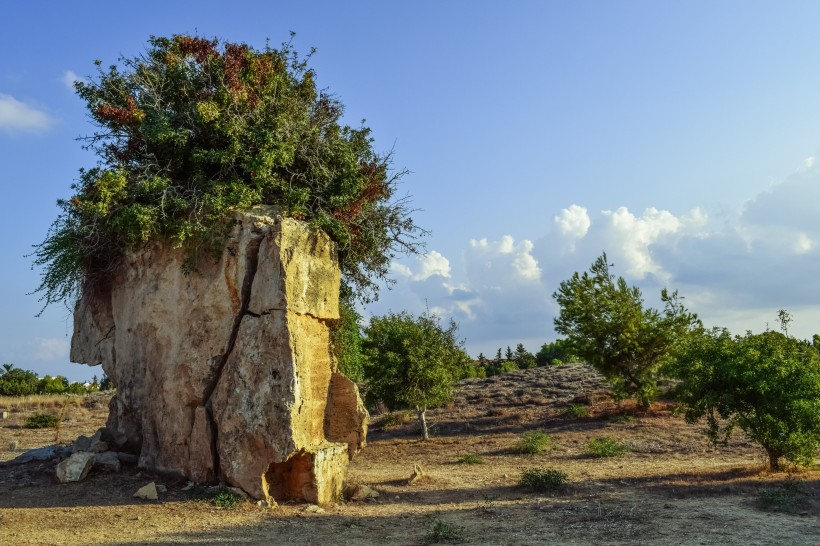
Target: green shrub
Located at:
point(396, 418)
point(606, 447)
point(225, 499)
point(471, 458)
point(621, 419)
point(577, 410)
point(444, 532)
point(543, 479)
point(41, 420)
point(533, 442)
point(786, 498)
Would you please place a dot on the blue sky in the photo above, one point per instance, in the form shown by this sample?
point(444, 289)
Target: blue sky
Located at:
point(679, 137)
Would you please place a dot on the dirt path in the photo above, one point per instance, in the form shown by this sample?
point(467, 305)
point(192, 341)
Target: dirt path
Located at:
point(671, 488)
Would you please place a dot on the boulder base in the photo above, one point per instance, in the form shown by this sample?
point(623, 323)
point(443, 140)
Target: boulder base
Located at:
point(225, 373)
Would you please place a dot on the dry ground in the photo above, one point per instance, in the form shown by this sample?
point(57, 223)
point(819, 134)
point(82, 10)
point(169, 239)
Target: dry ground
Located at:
point(672, 487)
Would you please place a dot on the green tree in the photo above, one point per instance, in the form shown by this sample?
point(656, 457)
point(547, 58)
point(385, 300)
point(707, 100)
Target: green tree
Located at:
point(194, 129)
point(523, 358)
point(556, 352)
point(17, 382)
point(413, 362)
point(767, 384)
point(605, 324)
point(346, 342)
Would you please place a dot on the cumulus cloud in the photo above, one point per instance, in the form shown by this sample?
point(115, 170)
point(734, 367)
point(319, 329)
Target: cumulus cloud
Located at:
point(19, 116)
point(50, 348)
point(518, 261)
point(573, 222)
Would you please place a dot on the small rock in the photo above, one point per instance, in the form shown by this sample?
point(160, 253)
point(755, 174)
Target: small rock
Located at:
point(161, 488)
point(359, 492)
point(4, 415)
point(263, 504)
point(108, 461)
point(97, 444)
point(417, 474)
point(41, 454)
point(314, 509)
point(81, 444)
point(128, 458)
point(147, 492)
point(75, 468)
point(188, 486)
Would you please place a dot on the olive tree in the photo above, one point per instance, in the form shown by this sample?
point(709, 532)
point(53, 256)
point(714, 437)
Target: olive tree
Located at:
point(413, 362)
point(606, 324)
point(766, 384)
point(193, 129)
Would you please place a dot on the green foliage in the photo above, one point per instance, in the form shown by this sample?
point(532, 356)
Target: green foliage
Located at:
point(17, 382)
point(395, 418)
point(412, 362)
point(192, 130)
point(543, 479)
point(606, 446)
point(788, 498)
point(524, 359)
point(577, 410)
point(225, 499)
point(346, 342)
point(41, 420)
point(607, 326)
point(471, 458)
point(767, 384)
point(554, 353)
point(443, 531)
point(499, 367)
point(533, 442)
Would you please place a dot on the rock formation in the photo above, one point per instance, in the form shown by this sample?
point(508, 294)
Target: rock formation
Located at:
point(225, 373)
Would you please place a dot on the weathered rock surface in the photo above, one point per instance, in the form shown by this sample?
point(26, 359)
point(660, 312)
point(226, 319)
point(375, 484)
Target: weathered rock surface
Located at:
point(75, 468)
point(147, 492)
point(225, 373)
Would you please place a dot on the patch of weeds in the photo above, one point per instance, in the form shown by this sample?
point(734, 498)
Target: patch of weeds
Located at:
point(225, 499)
point(471, 458)
point(533, 442)
point(443, 531)
point(577, 411)
point(395, 419)
point(784, 499)
point(621, 419)
point(220, 497)
point(488, 504)
point(543, 479)
point(41, 420)
point(606, 446)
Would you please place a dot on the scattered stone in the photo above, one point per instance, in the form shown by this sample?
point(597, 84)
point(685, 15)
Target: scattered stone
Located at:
point(314, 509)
point(359, 492)
point(96, 444)
point(107, 461)
point(75, 468)
point(147, 492)
point(417, 475)
point(127, 458)
point(82, 443)
point(263, 504)
point(42, 454)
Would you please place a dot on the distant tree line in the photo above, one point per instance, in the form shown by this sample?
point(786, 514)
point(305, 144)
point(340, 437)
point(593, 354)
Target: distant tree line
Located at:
point(18, 382)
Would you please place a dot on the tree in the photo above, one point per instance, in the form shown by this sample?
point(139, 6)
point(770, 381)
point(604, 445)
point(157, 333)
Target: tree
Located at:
point(413, 362)
point(346, 342)
point(192, 130)
point(556, 352)
point(606, 325)
point(767, 384)
point(509, 354)
point(17, 382)
point(523, 358)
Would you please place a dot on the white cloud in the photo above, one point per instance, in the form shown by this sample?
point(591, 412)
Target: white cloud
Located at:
point(68, 79)
point(803, 244)
point(505, 255)
point(432, 263)
point(400, 269)
point(573, 222)
point(50, 348)
point(19, 116)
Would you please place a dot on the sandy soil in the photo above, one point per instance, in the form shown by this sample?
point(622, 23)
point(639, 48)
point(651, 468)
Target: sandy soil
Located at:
point(672, 487)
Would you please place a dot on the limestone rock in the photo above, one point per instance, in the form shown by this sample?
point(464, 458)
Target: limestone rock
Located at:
point(81, 443)
point(108, 461)
point(360, 492)
point(225, 373)
point(147, 492)
point(417, 475)
point(75, 468)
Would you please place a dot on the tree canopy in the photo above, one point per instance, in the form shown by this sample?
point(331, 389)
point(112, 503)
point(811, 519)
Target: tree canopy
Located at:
point(194, 129)
point(767, 384)
point(413, 362)
point(605, 324)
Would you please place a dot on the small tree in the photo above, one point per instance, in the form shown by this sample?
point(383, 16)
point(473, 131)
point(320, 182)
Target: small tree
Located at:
point(606, 325)
point(523, 358)
point(413, 362)
point(767, 384)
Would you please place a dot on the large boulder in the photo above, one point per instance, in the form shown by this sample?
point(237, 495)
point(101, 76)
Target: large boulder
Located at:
point(225, 372)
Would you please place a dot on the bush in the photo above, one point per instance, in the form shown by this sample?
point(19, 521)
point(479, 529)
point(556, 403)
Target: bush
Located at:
point(606, 447)
point(543, 479)
point(225, 499)
point(444, 532)
point(766, 384)
point(577, 410)
point(471, 458)
point(41, 420)
point(533, 442)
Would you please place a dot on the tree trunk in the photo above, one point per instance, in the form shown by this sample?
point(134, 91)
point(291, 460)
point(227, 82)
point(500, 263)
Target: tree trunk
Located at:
point(774, 460)
point(423, 420)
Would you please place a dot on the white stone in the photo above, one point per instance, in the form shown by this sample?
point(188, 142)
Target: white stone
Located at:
point(75, 468)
